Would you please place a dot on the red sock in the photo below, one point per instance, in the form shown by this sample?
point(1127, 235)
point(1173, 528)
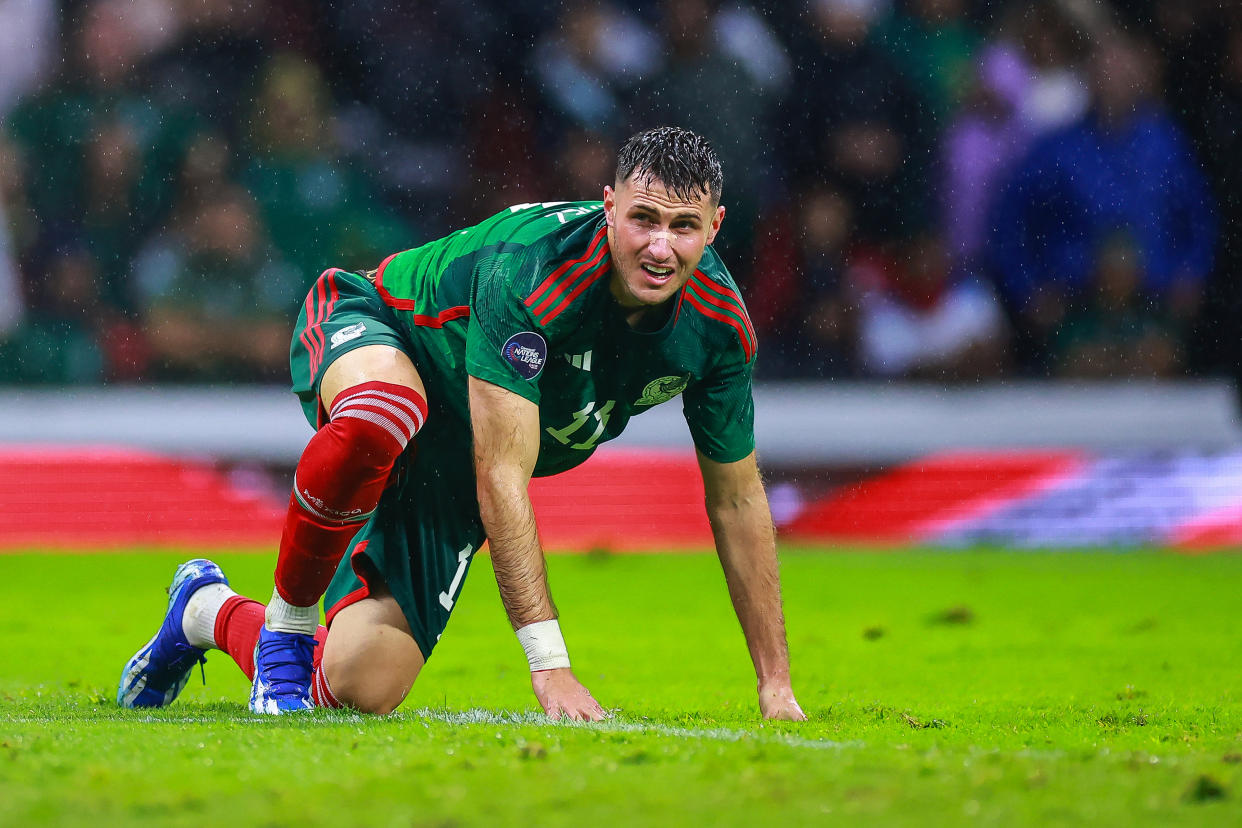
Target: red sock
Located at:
point(237, 633)
point(339, 480)
point(310, 551)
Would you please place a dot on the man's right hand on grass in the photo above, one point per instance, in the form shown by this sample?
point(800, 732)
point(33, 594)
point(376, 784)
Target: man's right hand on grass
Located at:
point(561, 694)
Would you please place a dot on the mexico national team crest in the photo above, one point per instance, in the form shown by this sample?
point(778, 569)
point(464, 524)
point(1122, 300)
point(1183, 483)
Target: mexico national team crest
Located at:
point(526, 352)
point(662, 390)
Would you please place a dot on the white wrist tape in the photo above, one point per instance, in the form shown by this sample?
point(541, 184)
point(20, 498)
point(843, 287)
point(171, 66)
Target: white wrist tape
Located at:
point(544, 645)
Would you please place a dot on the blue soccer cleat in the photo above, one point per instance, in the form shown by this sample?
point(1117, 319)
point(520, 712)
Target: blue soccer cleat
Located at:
point(157, 673)
point(283, 663)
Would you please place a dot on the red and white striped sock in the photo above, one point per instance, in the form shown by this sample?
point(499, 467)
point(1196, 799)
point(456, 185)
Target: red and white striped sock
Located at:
point(321, 692)
point(337, 485)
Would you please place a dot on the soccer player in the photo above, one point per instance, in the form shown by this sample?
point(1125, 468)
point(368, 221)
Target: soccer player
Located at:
point(511, 349)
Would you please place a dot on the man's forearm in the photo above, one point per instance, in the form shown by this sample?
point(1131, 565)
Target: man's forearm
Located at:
point(746, 543)
point(517, 557)
point(506, 447)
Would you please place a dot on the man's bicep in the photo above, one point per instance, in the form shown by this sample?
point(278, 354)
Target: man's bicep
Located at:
point(727, 484)
point(505, 345)
point(505, 426)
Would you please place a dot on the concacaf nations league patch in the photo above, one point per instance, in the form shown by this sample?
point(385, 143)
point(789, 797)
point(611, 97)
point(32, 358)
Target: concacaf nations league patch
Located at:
point(526, 352)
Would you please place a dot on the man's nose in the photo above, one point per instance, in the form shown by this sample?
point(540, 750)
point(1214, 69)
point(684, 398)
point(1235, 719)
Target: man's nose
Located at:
point(660, 244)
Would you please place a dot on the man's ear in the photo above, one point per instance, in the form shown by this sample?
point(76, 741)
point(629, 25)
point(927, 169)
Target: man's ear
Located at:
point(717, 220)
point(610, 205)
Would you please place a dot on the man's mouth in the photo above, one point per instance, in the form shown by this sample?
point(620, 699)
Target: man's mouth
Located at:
point(658, 274)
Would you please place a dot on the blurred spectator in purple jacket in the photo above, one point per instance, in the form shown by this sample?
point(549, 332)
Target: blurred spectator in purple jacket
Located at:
point(980, 148)
point(1025, 84)
point(1125, 167)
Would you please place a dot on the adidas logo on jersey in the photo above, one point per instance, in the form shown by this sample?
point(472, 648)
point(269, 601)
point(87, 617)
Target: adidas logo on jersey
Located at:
point(347, 333)
point(582, 361)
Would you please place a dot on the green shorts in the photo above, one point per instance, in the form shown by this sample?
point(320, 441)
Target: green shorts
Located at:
point(427, 528)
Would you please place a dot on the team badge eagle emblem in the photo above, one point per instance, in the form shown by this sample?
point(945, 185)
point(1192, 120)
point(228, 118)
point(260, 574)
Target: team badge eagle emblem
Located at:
point(662, 390)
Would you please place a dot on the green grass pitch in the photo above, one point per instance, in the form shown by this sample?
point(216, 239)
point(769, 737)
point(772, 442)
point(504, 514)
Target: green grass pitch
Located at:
point(982, 687)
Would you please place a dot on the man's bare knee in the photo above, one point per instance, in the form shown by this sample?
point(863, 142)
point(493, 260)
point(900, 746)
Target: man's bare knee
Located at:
point(370, 658)
point(370, 363)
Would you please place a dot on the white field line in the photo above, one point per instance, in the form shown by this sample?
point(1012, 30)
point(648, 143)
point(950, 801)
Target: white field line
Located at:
point(717, 734)
point(477, 716)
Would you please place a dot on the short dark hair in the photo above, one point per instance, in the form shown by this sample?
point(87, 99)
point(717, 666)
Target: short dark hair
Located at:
point(679, 159)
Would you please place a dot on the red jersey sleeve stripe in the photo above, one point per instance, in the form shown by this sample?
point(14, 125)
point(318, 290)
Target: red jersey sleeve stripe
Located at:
point(735, 316)
point(421, 319)
point(390, 300)
point(567, 283)
point(707, 311)
point(732, 311)
point(728, 294)
point(591, 279)
point(446, 315)
point(548, 283)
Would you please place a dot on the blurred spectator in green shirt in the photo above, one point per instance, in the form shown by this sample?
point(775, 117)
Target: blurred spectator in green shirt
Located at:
point(319, 211)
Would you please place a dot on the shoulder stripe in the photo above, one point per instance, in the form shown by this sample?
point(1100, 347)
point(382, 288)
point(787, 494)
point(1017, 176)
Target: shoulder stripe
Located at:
point(421, 319)
point(709, 306)
point(728, 294)
point(390, 300)
point(571, 282)
point(734, 312)
point(592, 278)
point(549, 287)
point(447, 315)
point(716, 309)
point(568, 283)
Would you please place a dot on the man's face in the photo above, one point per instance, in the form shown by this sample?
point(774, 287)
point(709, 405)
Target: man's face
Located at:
point(656, 239)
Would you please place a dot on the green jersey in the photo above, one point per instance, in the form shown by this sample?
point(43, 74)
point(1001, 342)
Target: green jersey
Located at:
point(522, 300)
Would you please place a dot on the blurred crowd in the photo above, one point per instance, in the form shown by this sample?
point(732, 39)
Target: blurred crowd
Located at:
point(953, 190)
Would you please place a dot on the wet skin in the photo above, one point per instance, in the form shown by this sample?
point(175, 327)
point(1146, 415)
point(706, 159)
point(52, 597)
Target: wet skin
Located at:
point(656, 239)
